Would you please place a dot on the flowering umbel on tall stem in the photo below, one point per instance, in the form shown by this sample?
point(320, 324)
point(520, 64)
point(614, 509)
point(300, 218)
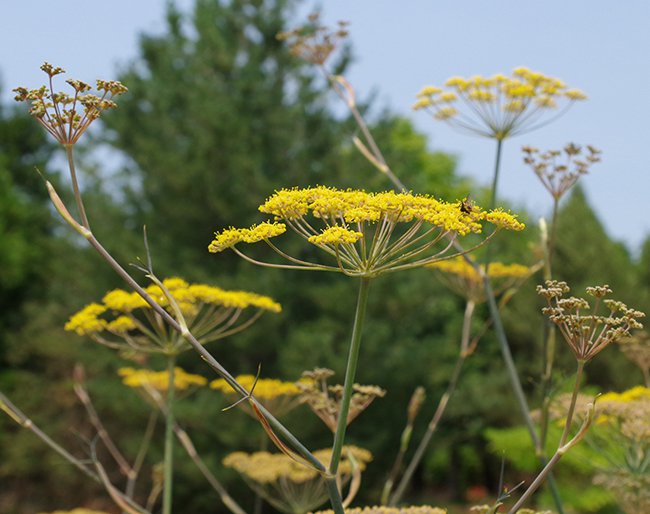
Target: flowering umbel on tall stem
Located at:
point(499, 106)
point(124, 321)
point(366, 234)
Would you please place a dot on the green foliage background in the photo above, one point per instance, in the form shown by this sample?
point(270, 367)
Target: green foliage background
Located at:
point(218, 116)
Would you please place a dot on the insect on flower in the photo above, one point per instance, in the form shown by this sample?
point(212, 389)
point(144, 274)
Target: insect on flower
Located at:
point(466, 205)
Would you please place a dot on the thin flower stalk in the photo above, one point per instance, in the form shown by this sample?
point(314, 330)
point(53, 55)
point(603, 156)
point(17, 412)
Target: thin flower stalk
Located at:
point(350, 372)
point(186, 442)
point(564, 444)
point(413, 409)
point(316, 43)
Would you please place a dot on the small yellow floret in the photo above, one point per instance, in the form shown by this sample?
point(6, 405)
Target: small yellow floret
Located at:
point(505, 220)
point(159, 380)
point(121, 325)
point(265, 388)
point(445, 113)
point(86, 321)
point(336, 236)
point(575, 94)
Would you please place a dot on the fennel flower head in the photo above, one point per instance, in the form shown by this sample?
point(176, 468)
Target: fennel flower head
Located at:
point(499, 106)
point(559, 170)
point(277, 396)
point(584, 328)
point(124, 321)
point(290, 486)
point(159, 380)
point(66, 116)
point(463, 279)
point(325, 400)
point(365, 234)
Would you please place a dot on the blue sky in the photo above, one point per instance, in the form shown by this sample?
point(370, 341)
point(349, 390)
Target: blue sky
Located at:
point(598, 46)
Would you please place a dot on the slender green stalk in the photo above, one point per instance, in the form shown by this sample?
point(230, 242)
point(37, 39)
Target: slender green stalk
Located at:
point(495, 177)
point(572, 405)
point(353, 358)
point(563, 446)
point(142, 452)
point(168, 472)
point(505, 347)
point(550, 336)
point(75, 186)
point(189, 447)
point(440, 410)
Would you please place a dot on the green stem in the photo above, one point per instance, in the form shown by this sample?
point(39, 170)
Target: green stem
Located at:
point(550, 337)
point(495, 177)
point(353, 358)
point(572, 405)
point(169, 438)
point(562, 449)
point(505, 347)
point(518, 390)
point(75, 186)
point(440, 410)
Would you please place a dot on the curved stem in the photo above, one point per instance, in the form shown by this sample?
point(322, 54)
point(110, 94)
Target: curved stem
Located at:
point(442, 406)
point(142, 452)
point(563, 446)
point(572, 405)
point(169, 438)
point(189, 447)
point(353, 358)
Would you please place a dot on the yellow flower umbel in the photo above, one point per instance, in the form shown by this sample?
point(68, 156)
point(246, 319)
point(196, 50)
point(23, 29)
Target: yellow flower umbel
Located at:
point(499, 106)
point(466, 281)
point(123, 320)
point(159, 380)
point(66, 117)
point(277, 396)
point(588, 334)
point(291, 487)
point(366, 234)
